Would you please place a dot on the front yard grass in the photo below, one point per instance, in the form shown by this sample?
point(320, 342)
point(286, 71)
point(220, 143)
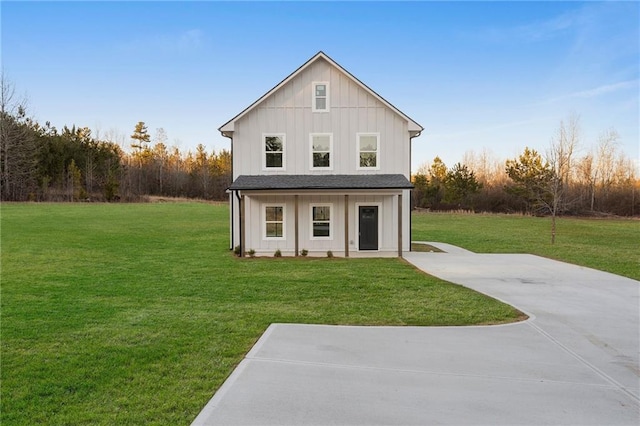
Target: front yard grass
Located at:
point(136, 313)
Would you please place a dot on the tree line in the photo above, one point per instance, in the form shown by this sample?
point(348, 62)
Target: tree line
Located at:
point(41, 163)
point(601, 181)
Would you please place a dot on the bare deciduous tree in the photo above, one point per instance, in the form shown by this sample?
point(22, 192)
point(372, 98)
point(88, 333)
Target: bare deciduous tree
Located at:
point(17, 145)
point(559, 158)
point(606, 156)
point(485, 165)
point(585, 174)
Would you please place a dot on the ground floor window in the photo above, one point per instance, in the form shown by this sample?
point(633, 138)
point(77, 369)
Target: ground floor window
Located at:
point(321, 221)
point(274, 221)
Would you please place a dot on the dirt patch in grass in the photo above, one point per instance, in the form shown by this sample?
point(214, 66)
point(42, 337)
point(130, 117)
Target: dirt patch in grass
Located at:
point(422, 247)
point(182, 200)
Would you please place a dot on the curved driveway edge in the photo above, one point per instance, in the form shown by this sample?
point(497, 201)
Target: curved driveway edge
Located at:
point(574, 362)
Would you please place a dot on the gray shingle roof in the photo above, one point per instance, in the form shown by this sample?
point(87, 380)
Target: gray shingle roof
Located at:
point(263, 182)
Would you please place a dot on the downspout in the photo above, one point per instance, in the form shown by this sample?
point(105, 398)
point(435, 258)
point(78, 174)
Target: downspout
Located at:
point(232, 225)
point(240, 221)
point(232, 212)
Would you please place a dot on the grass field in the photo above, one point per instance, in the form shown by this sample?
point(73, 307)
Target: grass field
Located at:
point(611, 245)
point(136, 313)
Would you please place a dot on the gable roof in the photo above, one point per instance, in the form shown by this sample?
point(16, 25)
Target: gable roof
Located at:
point(266, 182)
point(414, 128)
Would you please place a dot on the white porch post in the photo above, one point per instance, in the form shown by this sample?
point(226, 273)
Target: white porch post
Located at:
point(295, 221)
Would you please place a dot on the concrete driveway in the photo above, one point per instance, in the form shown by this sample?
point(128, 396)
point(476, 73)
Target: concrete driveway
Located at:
point(574, 362)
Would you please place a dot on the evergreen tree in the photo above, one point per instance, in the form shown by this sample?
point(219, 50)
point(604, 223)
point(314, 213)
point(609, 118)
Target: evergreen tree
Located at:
point(141, 137)
point(530, 179)
point(461, 184)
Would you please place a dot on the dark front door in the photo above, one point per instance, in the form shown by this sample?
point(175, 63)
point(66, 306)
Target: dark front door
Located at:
point(368, 227)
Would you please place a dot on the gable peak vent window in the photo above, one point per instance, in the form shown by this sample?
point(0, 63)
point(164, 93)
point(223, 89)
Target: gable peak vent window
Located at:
point(320, 96)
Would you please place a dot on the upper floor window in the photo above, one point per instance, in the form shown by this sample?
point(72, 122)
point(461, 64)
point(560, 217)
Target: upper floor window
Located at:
point(368, 151)
point(321, 221)
point(320, 96)
point(273, 149)
point(321, 148)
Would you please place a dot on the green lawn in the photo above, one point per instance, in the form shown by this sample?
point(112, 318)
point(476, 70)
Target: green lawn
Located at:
point(136, 313)
point(607, 244)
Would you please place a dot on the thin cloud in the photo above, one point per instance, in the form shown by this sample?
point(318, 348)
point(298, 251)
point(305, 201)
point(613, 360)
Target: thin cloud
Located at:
point(540, 30)
point(548, 29)
point(595, 92)
point(485, 129)
point(189, 40)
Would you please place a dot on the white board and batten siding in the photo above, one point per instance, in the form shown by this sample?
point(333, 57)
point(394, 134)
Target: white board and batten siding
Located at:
point(352, 110)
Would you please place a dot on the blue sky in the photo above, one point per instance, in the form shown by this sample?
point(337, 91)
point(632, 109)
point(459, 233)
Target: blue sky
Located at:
point(477, 75)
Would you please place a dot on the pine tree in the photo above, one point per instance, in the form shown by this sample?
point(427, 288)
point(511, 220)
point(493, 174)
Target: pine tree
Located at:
point(140, 136)
point(530, 178)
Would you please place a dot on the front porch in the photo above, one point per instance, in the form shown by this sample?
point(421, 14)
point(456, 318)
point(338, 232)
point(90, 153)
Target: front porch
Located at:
point(347, 222)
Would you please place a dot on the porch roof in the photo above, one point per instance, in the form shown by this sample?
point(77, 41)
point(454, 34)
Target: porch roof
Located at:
point(271, 182)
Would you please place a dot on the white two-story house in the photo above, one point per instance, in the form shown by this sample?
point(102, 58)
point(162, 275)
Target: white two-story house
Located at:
point(321, 163)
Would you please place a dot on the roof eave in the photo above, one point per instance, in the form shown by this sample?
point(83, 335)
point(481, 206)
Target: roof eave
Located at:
point(391, 182)
point(227, 129)
point(414, 129)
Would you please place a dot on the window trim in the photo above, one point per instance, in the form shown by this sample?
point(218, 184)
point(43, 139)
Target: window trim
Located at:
point(358, 151)
point(264, 221)
point(311, 221)
point(283, 136)
point(314, 97)
point(311, 151)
